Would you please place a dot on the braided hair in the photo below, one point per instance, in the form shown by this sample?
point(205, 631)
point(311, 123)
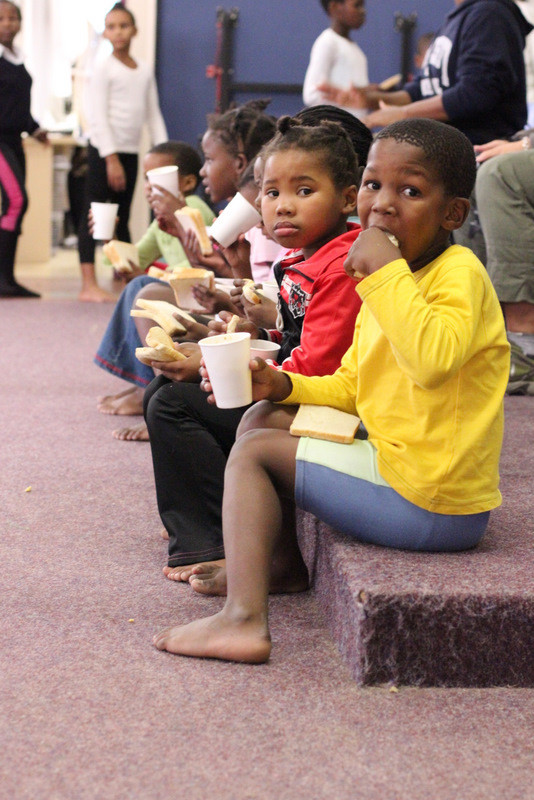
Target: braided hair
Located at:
point(359, 134)
point(328, 139)
point(244, 129)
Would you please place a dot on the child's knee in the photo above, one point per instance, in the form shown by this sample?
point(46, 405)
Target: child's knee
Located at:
point(255, 417)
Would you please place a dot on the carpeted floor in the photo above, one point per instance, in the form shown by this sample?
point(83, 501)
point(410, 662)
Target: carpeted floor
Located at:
point(89, 709)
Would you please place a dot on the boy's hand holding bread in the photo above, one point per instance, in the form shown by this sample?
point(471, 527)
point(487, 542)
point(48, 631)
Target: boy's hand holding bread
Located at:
point(372, 250)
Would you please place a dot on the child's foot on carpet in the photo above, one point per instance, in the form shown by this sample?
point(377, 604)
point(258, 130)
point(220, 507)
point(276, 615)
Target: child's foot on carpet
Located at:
point(103, 398)
point(164, 533)
point(210, 578)
point(184, 573)
point(219, 636)
point(127, 405)
point(133, 433)
point(94, 294)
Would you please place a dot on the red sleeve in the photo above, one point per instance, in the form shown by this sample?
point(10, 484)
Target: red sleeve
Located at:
point(328, 327)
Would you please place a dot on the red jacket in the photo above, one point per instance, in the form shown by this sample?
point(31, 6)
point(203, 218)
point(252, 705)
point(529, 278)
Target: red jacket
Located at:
point(319, 303)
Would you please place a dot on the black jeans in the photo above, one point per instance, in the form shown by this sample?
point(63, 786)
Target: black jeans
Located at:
point(98, 191)
point(190, 440)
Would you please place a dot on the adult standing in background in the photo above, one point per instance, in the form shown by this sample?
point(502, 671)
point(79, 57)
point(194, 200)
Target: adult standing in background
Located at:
point(123, 97)
point(15, 119)
point(473, 76)
point(334, 57)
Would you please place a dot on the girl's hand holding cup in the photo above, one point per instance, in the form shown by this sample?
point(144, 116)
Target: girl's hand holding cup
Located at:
point(163, 202)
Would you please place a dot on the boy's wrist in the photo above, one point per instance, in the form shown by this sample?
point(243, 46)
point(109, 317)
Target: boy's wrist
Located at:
point(282, 388)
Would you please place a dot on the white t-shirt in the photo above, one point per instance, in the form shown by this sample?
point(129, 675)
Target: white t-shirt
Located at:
point(122, 100)
point(337, 60)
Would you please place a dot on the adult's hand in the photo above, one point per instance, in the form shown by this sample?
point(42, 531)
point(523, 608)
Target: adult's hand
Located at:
point(496, 148)
point(116, 176)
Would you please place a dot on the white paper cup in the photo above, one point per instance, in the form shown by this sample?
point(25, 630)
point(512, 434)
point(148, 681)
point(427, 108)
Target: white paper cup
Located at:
point(262, 348)
point(167, 177)
point(104, 220)
point(269, 289)
point(227, 357)
point(238, 217)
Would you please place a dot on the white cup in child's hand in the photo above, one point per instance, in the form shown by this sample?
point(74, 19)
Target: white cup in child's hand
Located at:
point(166, 177)
point(104, 220)
point(238, 217)
point(227, 358)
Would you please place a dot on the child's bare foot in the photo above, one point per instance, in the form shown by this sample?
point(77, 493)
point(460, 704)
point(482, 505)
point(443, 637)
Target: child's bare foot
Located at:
point(102, 398)
point(184, 573)
point(129, 404)
point(210, 578)
point(94, 294)
point(133, 433)
point(220, 636)
point(164, 533)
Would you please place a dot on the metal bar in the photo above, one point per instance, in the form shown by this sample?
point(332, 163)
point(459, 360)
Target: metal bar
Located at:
point(273, 88)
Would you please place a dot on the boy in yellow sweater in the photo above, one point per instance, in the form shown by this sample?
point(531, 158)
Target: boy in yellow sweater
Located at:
point(426, 373)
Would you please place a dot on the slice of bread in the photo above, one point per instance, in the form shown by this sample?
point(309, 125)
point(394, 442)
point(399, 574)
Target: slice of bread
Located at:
point(182, 283)
point(120, 254)
point(192, 219)
point(160, 347)
point(156, 272)
point(161, 312)
point(249, 292)
point(325, 422)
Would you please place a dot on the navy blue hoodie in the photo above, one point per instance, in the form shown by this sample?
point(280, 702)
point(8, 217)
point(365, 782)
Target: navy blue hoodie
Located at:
point(476, 63)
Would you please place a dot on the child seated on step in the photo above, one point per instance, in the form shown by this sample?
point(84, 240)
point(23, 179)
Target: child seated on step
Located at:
point(426, 373)
point(116, 353)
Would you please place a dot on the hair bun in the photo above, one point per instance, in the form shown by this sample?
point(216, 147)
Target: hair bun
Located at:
point(285, 124)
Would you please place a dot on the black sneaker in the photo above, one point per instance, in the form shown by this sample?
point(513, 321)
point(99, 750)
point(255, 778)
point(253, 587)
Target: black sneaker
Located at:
point(16, 290)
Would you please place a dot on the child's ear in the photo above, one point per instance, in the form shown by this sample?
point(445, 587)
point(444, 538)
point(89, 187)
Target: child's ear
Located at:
point(456, 214)
point(350, 196)
point(242, 163)
point(188, 183)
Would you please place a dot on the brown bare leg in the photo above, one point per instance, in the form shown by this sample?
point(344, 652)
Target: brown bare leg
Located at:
point(264, 462)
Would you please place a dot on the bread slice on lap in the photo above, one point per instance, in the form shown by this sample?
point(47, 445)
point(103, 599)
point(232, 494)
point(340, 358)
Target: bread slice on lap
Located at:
point(325, 422)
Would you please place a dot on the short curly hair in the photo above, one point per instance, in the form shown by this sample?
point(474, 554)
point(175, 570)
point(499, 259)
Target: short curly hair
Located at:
point(328, 139)
point(448, 151)
point(186, 158)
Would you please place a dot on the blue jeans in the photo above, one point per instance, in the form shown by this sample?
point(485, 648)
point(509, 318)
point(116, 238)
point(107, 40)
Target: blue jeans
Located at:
point(116, 353)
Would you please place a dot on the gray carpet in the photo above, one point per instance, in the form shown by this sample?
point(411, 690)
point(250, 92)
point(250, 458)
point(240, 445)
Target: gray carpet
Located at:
point(89, 709)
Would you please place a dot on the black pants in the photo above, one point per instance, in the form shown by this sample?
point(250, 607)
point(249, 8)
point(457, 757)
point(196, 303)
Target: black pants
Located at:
point(98, 191)
point(190, 440)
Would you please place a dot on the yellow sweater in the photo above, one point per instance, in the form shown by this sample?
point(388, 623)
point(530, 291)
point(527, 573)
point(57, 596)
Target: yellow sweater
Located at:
point(426, 372)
